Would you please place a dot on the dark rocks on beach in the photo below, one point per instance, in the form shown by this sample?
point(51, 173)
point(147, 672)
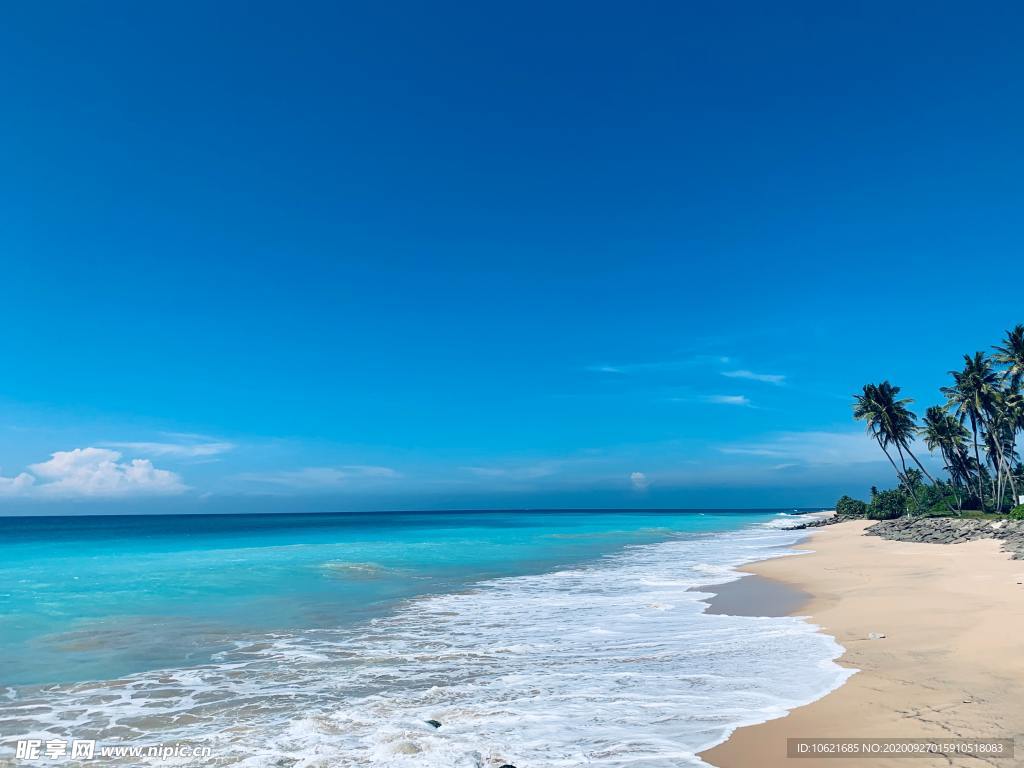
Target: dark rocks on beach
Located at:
point(507, 765)
point(434, 723)
point(831, 520)
point(952, 530)
point(939, 530)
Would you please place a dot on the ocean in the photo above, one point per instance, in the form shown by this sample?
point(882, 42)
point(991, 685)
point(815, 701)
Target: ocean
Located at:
point(536, 638)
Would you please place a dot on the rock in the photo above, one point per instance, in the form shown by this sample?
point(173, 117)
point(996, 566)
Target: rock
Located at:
point(952, 530)
point(876, 635)
point(823, 521)
point(507, 765)
point(434, 723)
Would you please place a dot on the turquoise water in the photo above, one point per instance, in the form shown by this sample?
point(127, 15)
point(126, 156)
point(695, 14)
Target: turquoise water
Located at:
point(544, 639)
point(98, 598)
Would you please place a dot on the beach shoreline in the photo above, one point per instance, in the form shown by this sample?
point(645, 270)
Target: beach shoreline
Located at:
point(950, 664)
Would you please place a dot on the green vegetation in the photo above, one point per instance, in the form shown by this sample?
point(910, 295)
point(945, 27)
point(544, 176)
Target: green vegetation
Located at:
point(850, 507)
point(1017, 513)
point(974, 432)
point(887, 505)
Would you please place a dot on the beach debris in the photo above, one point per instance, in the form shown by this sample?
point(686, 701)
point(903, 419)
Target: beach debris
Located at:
point(434, 723)
point(876, 635)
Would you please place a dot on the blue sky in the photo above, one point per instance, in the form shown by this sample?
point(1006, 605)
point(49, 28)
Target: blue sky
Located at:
point(317, 257)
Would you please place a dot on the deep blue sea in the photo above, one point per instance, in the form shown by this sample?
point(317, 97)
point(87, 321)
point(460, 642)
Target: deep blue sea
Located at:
point(540, 638)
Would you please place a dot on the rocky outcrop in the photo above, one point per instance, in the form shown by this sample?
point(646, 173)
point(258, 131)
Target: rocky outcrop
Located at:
point(952, 530)
point(939, 530)
point(819, 522)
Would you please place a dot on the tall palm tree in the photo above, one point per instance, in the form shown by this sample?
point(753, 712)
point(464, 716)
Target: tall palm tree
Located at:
point(971, 397)
point(1006, 419)
point(868, 408)
point(945, 433)
point(900, 420)
point(890, 422)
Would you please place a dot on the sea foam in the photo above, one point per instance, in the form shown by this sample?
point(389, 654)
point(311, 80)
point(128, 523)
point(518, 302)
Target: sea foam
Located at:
point(610, 664)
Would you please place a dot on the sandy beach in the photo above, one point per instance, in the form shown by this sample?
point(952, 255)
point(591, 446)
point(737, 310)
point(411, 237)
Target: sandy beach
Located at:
point(951, 664)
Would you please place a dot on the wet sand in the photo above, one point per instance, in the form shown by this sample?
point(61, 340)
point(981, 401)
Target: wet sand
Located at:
point(756, 596)
point(951, 664)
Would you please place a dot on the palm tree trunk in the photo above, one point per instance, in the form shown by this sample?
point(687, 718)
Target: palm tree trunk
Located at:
point(1000, 483)
point(964, 469)
point(921, 467)
point(948, 466)
point(899, 474)
point(951, 470)
point(910, 488)
point(919, 464)
point(1006, 469)
point(977, 458)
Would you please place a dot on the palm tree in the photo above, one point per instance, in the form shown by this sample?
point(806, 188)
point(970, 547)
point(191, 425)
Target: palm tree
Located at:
point(890, 422)
point(999, 444)
point(902, 422)
point(1006, 418)
point(867, 408)
point(972, 397)
point(945, 433)
point(1014, 410)
point(986, 394)
point(1011, 354)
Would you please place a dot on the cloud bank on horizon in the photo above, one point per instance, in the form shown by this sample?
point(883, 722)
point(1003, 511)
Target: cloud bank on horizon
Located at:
point(784, 459)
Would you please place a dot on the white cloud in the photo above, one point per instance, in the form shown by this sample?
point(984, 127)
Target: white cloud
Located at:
point(16, 486)
point(752, 451)
point(812, 448)
point(767, 378)
point(321, 478)
point(550, 470)
point(91, 473)
point(639, 481)
point(728, 399)
point(182, 450)
point(525, 472)
point(661, 366)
